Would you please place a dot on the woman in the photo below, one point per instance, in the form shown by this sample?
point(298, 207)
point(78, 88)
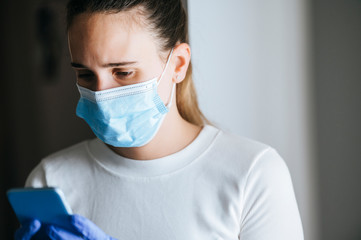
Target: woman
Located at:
point(157, 169)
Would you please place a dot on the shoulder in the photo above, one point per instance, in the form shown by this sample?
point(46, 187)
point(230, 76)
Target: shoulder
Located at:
point(68, 158)
point(268, 202)
point(68, 153)
point(59, 163)
point(242, 151)
point(234, 141)
point(245, 160)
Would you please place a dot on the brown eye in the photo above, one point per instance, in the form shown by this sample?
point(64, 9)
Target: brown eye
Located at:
point(85, 75)
point(123, 74)
point(84, 79)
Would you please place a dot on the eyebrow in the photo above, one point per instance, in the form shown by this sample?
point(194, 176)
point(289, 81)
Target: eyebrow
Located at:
point(107, 65)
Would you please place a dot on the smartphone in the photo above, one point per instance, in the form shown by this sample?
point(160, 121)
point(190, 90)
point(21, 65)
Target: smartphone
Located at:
point(48, 205)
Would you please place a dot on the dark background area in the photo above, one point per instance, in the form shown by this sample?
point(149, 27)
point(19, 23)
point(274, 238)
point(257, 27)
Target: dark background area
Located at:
point(336, 38)
point(38, 94)
point(38, 100)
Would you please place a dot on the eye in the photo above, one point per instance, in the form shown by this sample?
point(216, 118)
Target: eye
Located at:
point(122, 74)
point(85, 76)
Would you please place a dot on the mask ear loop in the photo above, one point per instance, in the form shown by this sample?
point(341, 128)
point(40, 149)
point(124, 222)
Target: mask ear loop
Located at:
point(165, 68)
point(174, 84)
point(171, 97)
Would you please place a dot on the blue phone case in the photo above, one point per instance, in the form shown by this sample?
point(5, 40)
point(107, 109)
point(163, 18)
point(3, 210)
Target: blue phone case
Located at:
point(45, 204)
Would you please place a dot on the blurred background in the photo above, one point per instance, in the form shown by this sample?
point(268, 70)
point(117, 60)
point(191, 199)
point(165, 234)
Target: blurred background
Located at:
point(287, 73)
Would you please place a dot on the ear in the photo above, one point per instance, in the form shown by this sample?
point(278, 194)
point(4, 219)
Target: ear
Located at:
point(182, 58)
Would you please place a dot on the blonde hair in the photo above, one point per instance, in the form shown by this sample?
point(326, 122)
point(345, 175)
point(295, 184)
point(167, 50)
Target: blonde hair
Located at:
point(187, 101)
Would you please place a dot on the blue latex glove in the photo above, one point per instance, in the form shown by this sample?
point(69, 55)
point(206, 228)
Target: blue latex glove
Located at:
point(82, 228)
point(27, 230)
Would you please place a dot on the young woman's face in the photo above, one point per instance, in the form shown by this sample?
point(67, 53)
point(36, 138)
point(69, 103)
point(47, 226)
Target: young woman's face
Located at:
point(110, 50)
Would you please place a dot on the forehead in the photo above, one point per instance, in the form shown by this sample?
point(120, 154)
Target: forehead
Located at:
point(105, 37)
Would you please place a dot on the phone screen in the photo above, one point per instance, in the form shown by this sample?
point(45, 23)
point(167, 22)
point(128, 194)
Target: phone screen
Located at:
point(48, 205)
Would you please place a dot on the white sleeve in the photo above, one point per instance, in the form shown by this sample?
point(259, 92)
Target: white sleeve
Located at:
point(37, 177)
point(270, 210)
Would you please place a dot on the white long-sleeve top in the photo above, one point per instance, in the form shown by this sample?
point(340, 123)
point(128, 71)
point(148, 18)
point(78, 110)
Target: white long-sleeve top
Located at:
point(221, 186)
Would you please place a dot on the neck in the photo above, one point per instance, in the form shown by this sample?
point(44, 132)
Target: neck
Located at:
point(174, 135)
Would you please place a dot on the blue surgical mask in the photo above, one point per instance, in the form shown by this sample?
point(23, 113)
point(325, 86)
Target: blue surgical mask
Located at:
point(127, 116)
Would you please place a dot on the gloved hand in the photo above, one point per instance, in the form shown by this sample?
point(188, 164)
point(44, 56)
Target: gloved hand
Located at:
point(82, 228)
point(27, 230)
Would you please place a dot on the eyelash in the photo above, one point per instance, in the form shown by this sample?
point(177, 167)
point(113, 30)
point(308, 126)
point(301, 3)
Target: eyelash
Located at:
point(117, 73)
point(85, 75)
point(123, 74)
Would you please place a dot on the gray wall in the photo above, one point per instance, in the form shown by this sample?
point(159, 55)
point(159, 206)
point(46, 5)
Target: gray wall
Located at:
point(337, 78)
point(288, 73)
point(252, 72)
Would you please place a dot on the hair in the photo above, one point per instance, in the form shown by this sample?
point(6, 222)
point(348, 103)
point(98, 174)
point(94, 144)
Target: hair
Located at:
point(168, 20)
